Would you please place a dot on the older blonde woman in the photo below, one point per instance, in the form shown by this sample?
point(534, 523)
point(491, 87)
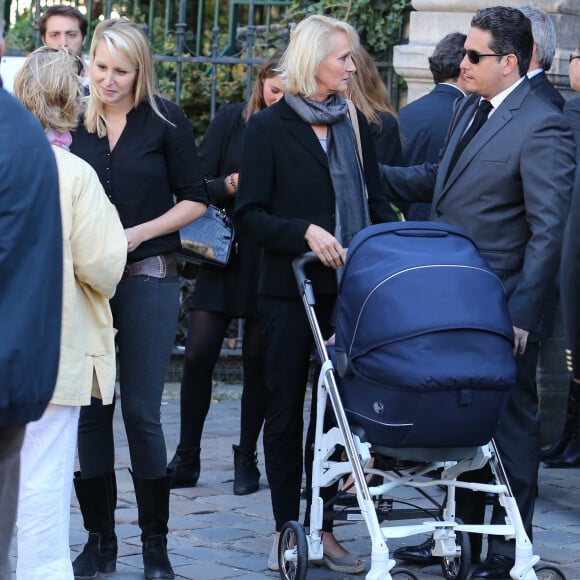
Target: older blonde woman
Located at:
point(94, 250)
point(289, 212)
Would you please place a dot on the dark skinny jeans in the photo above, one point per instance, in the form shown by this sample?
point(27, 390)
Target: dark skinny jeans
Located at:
point(145, 314)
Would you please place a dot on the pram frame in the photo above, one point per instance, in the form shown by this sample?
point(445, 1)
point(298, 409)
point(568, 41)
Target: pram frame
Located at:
point(325, 472)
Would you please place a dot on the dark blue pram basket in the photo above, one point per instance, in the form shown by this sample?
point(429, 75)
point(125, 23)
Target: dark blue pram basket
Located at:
point(423, 338)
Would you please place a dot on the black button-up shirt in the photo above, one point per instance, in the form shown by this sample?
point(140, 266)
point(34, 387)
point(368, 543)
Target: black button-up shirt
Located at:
point(152, 164)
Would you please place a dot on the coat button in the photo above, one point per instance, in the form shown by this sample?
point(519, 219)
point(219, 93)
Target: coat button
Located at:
point(438, 213)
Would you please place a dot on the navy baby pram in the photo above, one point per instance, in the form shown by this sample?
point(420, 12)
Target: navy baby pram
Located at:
point(423, 338)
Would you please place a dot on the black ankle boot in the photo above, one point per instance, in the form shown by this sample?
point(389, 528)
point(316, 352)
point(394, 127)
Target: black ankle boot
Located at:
point(153, 508)
point(97, 499)
point(246, 472)
point(96, 557)
point(184, 468)
point(155, 561)
point(570, 455)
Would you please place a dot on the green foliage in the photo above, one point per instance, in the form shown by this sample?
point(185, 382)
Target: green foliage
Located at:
point(21, 35)
point(197, 79)
point(379, 23)
point(195, 98)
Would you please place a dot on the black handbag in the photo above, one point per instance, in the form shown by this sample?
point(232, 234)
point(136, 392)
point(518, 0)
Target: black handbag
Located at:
point(208, 239)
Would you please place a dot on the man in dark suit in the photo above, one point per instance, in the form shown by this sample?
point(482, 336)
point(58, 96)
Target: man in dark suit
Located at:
point(570, 282)
point(424, 122)
point(545, 41)
point(509, 189)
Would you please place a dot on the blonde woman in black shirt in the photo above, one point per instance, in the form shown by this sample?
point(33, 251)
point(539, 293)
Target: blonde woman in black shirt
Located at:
point(143, 151)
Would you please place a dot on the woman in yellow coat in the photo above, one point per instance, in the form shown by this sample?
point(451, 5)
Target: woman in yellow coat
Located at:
point(94, 256)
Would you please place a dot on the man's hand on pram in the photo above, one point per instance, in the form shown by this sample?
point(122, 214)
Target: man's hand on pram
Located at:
point(520, 340)
point(325, 246)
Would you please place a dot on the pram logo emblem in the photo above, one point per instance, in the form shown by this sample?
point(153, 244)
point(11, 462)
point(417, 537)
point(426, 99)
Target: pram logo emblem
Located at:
point(378, 407)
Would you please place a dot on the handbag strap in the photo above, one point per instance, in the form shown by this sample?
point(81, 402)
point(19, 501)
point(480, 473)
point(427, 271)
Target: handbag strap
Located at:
point(354, 120)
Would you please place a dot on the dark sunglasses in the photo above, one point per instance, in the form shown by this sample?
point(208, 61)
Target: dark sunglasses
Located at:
point(473, 56)
point(573, 56)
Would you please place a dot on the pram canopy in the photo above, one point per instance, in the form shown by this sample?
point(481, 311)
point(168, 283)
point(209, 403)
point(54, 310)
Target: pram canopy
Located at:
point(423, 337)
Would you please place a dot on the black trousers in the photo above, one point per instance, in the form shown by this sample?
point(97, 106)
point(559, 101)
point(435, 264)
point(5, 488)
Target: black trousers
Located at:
point(289, 343)
point(518, 441)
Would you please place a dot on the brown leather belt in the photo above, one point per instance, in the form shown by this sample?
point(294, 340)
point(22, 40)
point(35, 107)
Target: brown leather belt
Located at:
point(154, 266)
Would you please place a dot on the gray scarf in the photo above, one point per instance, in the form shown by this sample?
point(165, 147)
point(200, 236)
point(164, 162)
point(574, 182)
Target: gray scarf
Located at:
point(345, 167)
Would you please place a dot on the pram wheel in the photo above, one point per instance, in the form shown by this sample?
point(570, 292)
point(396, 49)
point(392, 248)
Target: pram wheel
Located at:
point(457, 568)
point(547, 572)
point(293, 552)
point(403, 574)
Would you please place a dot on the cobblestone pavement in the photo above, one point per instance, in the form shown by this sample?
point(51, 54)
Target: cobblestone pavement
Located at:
point(215, 534)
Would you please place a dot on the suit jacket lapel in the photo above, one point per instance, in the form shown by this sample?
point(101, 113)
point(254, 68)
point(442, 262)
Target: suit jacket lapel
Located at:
point(303, 134)
point(494, 124)
point(467, 110)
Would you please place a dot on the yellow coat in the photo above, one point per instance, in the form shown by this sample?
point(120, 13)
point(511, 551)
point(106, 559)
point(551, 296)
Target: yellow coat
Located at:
point(94, 253)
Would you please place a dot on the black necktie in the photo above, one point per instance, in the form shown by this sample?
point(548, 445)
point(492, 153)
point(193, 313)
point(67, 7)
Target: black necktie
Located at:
point(480, 118)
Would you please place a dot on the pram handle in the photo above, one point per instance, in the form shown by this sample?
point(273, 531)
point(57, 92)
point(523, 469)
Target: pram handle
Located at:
point(299, 266)
point(421, 233)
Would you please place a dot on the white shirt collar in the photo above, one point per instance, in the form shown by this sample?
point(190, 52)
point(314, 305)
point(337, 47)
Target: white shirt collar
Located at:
point(501, 97)
point(533, 73)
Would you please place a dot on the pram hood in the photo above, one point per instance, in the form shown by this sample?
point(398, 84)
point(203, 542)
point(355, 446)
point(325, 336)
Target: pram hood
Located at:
point(423, 336)
point(411, 278)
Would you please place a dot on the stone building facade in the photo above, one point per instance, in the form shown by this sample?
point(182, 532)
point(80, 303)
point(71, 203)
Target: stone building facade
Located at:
point(433, 19)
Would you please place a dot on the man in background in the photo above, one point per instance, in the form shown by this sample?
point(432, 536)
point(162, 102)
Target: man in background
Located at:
point(30, 291)
point(424, 122)
point(545, 41)
point(63, 25)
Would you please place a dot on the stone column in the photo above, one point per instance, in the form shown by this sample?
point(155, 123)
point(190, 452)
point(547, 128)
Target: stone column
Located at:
point(433, 19)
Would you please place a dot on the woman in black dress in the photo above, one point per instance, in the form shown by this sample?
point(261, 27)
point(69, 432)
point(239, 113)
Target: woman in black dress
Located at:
point(222, 294)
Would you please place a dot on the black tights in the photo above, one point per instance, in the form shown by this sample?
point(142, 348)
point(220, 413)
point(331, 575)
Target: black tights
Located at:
point(205, 336)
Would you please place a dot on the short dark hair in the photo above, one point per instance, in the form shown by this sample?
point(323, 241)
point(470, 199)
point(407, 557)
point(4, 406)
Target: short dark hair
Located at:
point(447, 56)
point(511, 33)
point(63, 10)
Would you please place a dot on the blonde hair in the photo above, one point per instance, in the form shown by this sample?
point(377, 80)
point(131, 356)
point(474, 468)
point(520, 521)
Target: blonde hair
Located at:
point(269, 70)
point(366, 88)
point(309, 46)
point(49, 86)
point(127, 42)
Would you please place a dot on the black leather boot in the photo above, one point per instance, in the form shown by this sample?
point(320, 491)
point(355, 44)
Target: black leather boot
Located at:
point(153, 507)
point(184, 468)
point(570, 456)
point(246, 472)
point(97, 499)
point(571, 410)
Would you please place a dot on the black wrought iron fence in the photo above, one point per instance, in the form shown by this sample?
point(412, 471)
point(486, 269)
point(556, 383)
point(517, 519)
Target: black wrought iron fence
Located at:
point(206, 52)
